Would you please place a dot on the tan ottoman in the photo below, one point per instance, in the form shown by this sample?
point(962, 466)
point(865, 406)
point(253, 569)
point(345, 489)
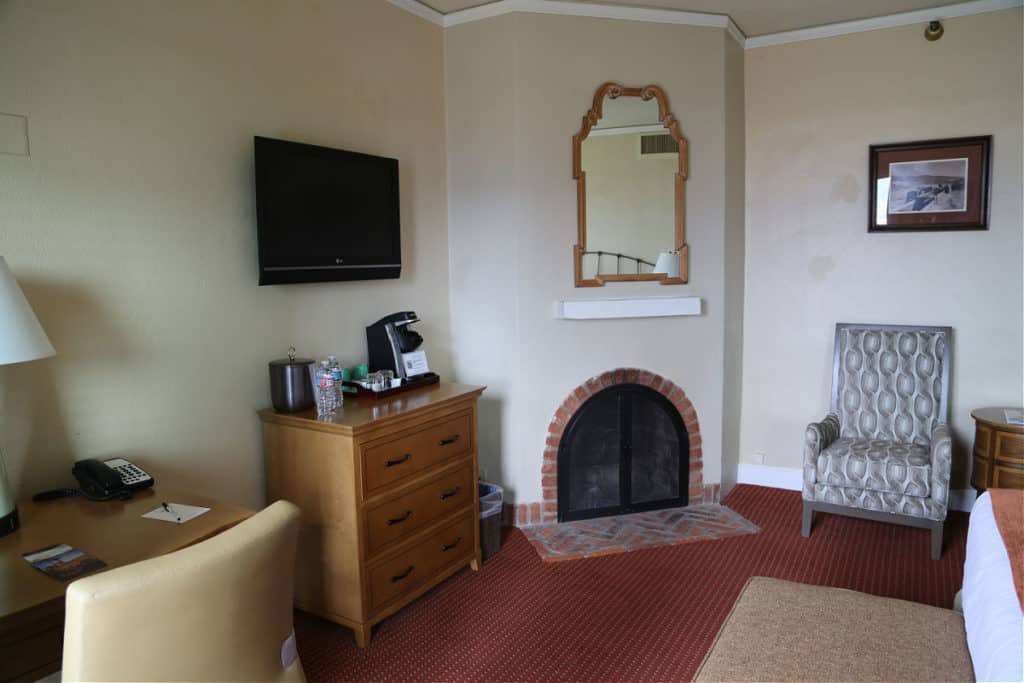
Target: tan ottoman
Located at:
point(784, 631)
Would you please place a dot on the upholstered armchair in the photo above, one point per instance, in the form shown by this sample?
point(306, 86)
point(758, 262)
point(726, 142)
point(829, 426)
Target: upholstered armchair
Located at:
point(884, 450)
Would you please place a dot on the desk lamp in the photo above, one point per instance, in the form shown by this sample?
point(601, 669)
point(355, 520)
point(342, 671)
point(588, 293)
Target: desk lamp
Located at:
point(21, 339)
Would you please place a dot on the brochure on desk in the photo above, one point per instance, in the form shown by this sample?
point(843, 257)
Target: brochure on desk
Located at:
point(62, 562)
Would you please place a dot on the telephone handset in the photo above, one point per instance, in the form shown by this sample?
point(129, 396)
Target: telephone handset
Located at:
point(107, 480)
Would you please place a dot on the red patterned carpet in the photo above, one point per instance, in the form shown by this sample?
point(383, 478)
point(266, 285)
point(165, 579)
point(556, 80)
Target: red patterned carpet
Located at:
point(645, 615)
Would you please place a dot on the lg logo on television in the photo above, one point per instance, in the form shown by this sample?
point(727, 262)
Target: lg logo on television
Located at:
point(339, 261)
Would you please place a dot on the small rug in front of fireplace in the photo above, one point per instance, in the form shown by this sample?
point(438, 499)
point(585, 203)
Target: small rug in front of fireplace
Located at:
point(625, 533)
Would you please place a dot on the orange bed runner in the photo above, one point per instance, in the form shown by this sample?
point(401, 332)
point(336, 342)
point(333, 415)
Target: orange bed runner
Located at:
point(1008, 508)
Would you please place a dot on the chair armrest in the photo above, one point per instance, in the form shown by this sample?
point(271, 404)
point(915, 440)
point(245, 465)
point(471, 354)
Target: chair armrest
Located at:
point(818, 437)
point(942, 461)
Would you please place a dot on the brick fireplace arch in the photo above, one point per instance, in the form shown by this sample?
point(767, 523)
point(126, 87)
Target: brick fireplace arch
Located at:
point(547, 511)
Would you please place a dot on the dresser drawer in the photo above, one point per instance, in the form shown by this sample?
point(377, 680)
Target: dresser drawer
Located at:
point(1010, 447)
point(401, 516)
point(420, 563)
point(405, 456)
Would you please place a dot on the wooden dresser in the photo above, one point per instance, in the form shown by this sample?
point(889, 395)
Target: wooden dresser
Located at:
point(388, 495)
point(998, 451)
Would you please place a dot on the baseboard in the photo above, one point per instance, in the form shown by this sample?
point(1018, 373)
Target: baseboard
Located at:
point(791, 479)
point(962, 500)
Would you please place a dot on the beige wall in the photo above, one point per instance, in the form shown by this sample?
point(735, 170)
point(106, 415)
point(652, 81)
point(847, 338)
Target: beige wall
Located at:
point(517, 87)
point(812, 109)
point(131, 225)
point(132, 229)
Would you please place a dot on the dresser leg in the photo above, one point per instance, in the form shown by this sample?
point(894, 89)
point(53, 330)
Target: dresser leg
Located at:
point(362, 634)
point(474, 564)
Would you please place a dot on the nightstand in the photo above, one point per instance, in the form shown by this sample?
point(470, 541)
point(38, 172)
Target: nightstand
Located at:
point(998, 451)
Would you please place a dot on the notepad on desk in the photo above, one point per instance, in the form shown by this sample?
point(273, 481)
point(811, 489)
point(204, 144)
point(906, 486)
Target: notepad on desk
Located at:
point(176, 513)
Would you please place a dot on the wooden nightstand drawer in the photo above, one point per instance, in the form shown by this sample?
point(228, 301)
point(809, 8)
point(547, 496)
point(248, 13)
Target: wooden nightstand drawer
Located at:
point(1010, 447)
point(982, 440)
point(397, 518)
point(979, 473)
point(420, 563)
point(389, 462)
point(1007, 477)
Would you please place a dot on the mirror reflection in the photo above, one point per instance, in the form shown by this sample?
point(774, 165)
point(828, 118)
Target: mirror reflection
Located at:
point(630, 160)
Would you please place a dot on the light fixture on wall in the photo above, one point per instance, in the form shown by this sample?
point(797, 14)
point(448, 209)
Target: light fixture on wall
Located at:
point(933, 31)
point(668, 263)
point(21, 339)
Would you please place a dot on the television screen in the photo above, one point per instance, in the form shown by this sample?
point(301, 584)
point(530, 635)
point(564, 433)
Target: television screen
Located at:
point(325, 214)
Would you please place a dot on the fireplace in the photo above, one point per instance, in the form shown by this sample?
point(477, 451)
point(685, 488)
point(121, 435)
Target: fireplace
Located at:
point(625, 449)
point(546, 510)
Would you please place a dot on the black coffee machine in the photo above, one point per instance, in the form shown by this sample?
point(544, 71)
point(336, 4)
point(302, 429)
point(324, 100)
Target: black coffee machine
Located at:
point(392, 345)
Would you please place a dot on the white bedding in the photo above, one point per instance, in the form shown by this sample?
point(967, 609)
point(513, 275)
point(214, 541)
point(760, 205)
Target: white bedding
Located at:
point(992, 613)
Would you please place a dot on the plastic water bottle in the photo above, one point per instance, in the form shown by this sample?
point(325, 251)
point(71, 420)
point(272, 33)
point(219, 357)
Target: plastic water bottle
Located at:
point(325, 400)
point(339, 394)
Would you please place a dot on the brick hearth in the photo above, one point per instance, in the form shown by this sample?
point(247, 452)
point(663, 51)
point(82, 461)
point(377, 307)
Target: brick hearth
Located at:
point(525, 514)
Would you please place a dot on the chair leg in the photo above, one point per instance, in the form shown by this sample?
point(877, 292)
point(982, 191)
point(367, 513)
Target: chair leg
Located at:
point(937, 541)
point(805, 528)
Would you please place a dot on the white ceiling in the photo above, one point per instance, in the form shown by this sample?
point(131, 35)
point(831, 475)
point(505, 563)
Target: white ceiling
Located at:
point(758, 17)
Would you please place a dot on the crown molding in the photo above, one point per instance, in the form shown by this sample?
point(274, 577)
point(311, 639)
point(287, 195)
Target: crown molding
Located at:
point(420, 10)
point(586, 9)
point(875, 23)
point(723, 21)
point(733, 30)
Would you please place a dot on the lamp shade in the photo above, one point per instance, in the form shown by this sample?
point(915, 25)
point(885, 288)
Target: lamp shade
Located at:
point(21, 336)
point(668, 263)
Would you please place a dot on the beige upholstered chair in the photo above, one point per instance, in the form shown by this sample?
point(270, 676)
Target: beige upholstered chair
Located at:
point(220, 610)
point(884, 451)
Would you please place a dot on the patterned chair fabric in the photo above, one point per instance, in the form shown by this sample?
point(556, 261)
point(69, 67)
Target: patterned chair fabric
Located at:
point(885, 446)
point(882, 466)
point(889, 384)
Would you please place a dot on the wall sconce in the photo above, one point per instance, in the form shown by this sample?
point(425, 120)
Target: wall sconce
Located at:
point(933, 31)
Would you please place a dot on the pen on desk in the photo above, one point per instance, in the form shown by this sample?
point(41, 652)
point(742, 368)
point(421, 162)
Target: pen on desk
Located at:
point(169, 510)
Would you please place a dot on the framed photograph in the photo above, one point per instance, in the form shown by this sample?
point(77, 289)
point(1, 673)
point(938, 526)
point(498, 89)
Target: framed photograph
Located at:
point(930, 185)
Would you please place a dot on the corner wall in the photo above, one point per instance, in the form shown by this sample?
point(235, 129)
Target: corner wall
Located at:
point(735, 260)
point(131, 226)
point(517, 88)
point(812, 110)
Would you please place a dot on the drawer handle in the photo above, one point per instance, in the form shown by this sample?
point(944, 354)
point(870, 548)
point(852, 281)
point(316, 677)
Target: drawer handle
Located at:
point(399, 520)
point(450, 440)
point(398, 577)
point(398, 461)
point(446, 548)
point(448, 494)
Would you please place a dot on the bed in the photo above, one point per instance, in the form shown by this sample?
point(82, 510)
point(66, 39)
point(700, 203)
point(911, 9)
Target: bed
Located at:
point(992, 609)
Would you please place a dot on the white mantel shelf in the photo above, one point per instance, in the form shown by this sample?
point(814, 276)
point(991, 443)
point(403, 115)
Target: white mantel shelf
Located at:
point(642, 307)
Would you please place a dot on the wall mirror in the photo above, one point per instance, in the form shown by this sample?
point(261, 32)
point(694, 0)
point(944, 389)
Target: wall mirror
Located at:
point(629, 161)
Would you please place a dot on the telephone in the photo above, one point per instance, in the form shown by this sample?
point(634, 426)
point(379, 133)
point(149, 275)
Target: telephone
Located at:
point(107, 480)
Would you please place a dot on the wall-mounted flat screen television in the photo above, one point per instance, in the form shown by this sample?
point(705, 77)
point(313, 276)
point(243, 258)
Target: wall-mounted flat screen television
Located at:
point(325, 214)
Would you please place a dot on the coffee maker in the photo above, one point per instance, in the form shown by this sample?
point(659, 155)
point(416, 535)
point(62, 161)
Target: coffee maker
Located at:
point(393, 345)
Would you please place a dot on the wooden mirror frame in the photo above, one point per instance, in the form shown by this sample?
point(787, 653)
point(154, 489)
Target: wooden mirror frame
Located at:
point(648, 92)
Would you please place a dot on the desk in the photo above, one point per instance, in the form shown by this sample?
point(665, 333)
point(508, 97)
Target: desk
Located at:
point(32, 604)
